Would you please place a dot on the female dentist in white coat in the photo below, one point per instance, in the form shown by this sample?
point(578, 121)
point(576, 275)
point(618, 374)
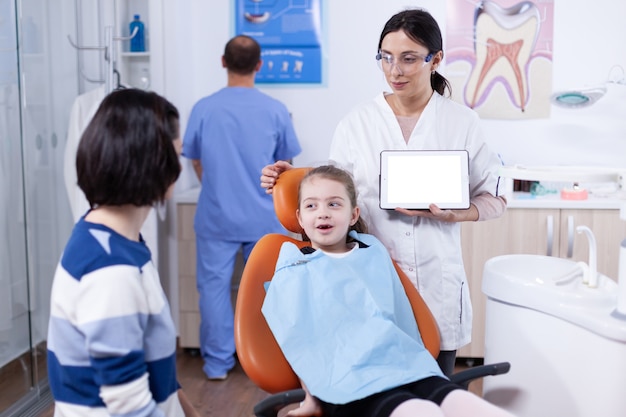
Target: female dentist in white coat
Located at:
point(416, 115)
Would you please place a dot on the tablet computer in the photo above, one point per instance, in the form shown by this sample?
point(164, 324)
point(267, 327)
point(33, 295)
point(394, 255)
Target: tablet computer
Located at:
point(416, 179)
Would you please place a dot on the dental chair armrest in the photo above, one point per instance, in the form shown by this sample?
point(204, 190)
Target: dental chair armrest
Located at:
point(271, 405)
point(464, 378)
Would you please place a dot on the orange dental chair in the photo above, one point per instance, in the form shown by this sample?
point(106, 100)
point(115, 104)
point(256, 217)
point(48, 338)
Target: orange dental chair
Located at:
point(257, 350)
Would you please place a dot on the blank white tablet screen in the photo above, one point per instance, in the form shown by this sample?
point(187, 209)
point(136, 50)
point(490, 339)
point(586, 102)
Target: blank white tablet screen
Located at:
point(417, 179)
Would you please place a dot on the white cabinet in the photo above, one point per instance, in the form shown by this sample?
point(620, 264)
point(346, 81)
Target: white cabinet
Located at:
point(535, 231)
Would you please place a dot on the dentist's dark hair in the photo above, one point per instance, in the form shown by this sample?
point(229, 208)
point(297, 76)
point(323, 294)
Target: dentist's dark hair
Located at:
point(421, 27)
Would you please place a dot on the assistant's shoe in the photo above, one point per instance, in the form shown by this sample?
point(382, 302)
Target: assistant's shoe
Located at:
point(218, 377)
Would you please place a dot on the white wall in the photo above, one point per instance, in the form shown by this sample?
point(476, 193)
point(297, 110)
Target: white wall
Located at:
point(588, 41)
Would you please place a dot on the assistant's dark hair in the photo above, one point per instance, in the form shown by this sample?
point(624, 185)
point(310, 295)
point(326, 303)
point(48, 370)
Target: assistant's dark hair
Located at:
point(241, 54)
point(421, 27)
point(126, 154)
point(331, 172)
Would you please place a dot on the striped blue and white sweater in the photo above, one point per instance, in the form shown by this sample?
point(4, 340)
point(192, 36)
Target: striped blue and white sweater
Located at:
point(111, 337)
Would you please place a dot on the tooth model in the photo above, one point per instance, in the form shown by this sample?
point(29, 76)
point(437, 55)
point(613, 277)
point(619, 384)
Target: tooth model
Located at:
point(503, 41)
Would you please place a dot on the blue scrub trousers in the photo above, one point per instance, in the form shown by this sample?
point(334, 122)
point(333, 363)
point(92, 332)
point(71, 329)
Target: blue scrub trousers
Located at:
point(215, 262)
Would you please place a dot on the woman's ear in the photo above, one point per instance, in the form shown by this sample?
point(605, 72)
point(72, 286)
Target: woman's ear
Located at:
point(436, 61)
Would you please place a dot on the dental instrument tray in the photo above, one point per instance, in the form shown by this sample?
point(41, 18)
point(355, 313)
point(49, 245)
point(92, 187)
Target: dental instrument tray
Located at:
point(415, 179)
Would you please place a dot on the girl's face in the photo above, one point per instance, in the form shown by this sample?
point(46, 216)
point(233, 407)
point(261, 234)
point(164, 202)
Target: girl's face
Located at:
point(326, 214)
point(408, 74)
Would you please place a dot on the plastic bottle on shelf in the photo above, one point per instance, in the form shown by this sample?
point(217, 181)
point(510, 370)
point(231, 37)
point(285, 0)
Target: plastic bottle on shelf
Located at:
point(137, 42)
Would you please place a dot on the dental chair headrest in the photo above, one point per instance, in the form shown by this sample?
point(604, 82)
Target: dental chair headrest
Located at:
point(286, 198)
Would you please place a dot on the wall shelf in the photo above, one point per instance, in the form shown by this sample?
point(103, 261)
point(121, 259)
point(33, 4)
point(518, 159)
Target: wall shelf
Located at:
point(135, 54)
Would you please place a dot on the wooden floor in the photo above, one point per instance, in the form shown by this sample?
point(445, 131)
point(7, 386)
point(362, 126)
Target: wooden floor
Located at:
point(234, 397)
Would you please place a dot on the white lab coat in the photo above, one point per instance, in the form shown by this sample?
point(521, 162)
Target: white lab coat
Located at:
point(428, 251)
point(83, 110)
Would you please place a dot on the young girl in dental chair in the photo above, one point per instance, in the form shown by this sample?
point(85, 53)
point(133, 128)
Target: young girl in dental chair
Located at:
point(344, 323)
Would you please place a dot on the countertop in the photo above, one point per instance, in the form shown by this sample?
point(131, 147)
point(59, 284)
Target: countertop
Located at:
point(598, 201)
point(189, 196)
point(609, 201)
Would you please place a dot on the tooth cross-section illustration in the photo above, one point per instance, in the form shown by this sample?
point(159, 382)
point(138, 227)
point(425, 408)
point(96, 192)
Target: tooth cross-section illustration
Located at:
point(504, 39)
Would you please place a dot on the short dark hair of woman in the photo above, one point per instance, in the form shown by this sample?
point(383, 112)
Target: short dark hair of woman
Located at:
point(242, 54)
point(126, 154)
point(422, 28)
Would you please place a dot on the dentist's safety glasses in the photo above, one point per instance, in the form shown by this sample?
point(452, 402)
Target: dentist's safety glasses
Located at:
point(406, 63)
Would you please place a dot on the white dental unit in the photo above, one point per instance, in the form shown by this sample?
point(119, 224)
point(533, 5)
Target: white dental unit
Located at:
point(560, 323)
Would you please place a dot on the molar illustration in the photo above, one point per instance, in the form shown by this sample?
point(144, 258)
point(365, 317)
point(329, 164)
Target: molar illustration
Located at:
point(504, 39)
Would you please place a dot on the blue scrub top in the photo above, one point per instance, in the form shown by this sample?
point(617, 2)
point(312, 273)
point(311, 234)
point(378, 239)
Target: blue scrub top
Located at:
point(235, 133)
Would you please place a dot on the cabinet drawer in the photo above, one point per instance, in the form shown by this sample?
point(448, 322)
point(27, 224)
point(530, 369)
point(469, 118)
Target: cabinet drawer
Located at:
point(186, 213)
point(188, 295)
point(189, 330)
point(187, 257)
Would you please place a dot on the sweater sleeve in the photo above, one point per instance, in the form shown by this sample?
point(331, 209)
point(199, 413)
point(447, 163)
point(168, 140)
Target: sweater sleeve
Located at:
point(489, 207)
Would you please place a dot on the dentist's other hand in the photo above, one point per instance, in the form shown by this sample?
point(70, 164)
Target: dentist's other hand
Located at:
point(451, 216)
point(269, 173)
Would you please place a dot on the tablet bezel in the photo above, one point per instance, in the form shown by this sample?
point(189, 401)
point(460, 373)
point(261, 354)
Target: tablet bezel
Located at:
point(463, 201)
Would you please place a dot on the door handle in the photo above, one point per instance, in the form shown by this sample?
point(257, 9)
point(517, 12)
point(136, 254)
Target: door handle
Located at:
point(570, 236)
point(550, 234)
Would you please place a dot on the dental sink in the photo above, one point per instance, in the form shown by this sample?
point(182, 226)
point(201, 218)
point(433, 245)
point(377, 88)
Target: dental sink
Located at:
point(560, 335)
point(549, 284)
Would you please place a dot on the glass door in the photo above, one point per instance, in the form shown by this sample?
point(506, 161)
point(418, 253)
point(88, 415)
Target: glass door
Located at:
point(15, 359)
point(48, 85)
point(38, 82)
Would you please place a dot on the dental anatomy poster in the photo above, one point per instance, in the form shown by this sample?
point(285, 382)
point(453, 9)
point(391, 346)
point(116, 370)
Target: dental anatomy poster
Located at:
point(499, 56)
point(290, 35)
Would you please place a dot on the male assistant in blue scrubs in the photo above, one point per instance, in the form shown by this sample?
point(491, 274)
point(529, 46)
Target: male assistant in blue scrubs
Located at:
point(231, 135)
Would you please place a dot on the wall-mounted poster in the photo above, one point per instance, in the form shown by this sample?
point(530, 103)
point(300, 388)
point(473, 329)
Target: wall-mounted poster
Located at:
point(499, 56)
point(290, 35)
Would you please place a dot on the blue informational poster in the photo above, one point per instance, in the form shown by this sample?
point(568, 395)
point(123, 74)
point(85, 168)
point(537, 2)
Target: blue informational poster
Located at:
point(289, 32)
